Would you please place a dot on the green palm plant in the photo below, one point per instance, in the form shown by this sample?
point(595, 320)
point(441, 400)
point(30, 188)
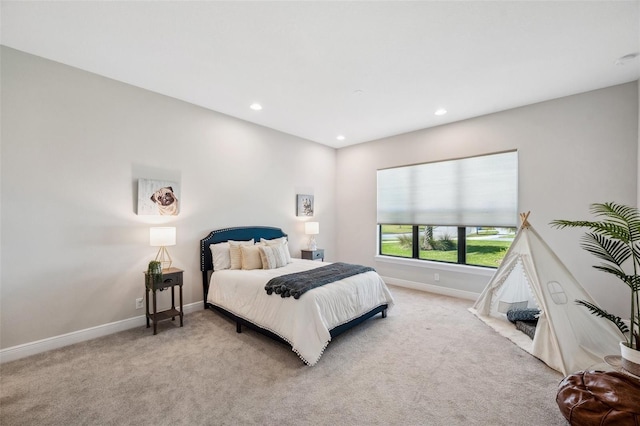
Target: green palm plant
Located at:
point(615, 240)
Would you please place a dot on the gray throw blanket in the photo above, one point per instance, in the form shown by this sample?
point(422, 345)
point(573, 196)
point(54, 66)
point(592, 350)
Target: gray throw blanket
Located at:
point(298, 283)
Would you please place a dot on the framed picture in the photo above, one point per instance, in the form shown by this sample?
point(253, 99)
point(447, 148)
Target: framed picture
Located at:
point(304, 205)
point(158, 197)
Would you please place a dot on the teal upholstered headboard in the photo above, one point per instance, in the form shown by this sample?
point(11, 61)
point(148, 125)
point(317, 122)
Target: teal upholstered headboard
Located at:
point(242, 233)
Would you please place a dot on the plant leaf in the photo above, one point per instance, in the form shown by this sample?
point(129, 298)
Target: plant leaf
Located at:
point(609, 250)
point(623, 216)
point(597, 311)
point(622, 222)
point(627, 279)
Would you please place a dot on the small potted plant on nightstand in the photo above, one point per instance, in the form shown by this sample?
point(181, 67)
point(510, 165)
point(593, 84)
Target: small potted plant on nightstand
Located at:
point(154, 272)
point(616, 241)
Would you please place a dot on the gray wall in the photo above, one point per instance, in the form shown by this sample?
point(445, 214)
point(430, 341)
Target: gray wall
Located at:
point(74, 145)
point(573, 151)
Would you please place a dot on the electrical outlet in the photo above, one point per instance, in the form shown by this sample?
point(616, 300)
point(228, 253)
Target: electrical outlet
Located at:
point(139, 303)
point(436, 277)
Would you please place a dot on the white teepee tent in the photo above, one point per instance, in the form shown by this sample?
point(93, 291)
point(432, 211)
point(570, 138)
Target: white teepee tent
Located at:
point(568, 337)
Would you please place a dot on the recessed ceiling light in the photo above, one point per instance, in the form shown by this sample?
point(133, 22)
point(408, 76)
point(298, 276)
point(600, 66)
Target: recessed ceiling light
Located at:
point(256, 106)
point(623, 60)
point(440, 111)
point(340, 137)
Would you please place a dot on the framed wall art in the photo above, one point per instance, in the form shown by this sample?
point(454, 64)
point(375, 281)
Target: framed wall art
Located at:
point(158, 197)
point(304, 205)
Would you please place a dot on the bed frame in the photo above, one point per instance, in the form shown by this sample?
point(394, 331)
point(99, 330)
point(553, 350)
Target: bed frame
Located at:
point(256, 232)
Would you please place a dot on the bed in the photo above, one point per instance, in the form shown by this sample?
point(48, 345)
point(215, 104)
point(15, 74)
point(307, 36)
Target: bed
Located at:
point(308, 323)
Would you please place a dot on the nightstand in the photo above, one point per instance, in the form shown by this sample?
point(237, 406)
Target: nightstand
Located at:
point(171, 278)
point(317, 254)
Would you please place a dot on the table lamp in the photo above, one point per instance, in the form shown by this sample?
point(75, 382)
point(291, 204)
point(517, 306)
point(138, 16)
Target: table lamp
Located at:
point(312, 229)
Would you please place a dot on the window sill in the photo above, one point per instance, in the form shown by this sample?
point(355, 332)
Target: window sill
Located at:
point(426, 264)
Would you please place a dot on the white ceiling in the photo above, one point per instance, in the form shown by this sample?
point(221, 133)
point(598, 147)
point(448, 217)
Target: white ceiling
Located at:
point(366, 70)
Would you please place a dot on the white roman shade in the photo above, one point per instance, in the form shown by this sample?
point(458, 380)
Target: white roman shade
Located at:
point(474, 191)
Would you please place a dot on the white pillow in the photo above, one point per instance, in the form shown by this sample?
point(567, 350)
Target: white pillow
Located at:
point(282, 241)
point(280, 252)
point(250, 257)
point(235, 254)
point(267, 257)
point(220, 256)
point(274, 241)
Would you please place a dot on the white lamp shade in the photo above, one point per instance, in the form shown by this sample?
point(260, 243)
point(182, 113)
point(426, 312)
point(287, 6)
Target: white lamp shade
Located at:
point(162, 236)
point(311, 228)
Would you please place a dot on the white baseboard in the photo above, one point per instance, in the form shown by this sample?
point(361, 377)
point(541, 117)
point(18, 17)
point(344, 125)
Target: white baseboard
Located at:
point(39, 346)
point(461, 294)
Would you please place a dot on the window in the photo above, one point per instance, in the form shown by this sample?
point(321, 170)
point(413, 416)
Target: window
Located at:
point(478, 246)
point(472, 200)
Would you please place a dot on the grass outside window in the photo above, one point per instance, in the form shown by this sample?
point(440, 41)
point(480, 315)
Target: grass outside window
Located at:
point(482, 246)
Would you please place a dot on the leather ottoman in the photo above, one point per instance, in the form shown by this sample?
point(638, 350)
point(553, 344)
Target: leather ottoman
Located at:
point(599, 398)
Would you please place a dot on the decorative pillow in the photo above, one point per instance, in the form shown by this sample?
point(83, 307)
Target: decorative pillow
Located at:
point(282, 241)
point(251, 257)
point(527, 327)
point(280, 252)
point(235, 254)
point(267, 257)
point(523, 315)
point(220, 256)
point(285, 248)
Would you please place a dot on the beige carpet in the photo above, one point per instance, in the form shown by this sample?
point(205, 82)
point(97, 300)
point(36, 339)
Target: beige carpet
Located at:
point(430, 362)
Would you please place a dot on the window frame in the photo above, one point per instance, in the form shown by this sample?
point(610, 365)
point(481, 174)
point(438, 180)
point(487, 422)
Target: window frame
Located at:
point(461, 247)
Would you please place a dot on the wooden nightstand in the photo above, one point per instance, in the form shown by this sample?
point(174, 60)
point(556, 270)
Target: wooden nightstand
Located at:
point(171, 278)
point(317, 254)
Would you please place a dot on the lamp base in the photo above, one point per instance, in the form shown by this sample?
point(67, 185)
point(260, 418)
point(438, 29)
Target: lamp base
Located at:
point(312, 243)
point(164, 258)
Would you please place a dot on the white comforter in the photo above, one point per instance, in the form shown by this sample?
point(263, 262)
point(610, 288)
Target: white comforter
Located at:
point(303, 322)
